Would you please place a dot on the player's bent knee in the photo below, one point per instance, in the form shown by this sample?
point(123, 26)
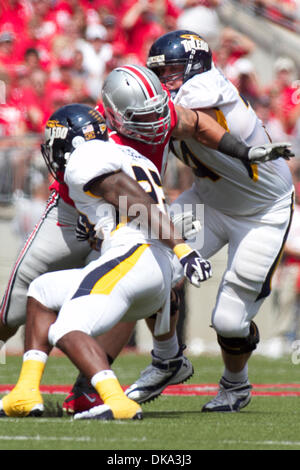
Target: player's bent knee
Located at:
point(57, 331)
point(230, 317)
point(237, 346)
point(36, 290)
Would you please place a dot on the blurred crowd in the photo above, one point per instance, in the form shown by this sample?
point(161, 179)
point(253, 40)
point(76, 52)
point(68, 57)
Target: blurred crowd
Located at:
point(54, 52)
point(285, 12)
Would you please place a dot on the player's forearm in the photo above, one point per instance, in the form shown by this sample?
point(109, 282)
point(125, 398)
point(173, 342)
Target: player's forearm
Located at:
point(199, 125)
point(132, 201)
point(202, 126)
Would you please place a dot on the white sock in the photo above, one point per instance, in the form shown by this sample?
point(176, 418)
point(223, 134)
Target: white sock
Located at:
point(166, 349)
point(236, 377)
point(35, 355)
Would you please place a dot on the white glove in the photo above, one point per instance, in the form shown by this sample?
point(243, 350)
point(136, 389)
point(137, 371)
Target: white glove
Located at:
point(266, 152)
point(186, 225)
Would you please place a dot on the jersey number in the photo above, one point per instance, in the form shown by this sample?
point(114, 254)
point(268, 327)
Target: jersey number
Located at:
point(151, 183)
point(199, 169)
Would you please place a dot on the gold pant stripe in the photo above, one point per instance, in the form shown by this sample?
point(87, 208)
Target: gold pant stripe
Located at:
point(107, 282)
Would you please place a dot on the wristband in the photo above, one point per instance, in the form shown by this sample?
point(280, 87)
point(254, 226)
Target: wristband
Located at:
point(232, 147)
point(182, 249)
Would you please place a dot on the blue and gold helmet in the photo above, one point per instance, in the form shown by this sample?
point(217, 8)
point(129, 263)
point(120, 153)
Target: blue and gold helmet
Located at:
point(65, 130)
point(181, 47)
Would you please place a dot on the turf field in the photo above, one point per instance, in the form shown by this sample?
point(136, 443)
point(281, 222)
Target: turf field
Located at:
point(172, 422)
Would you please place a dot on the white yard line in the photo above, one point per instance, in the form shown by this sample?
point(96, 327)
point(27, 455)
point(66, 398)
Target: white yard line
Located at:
point(263, 443)
point(45, 438)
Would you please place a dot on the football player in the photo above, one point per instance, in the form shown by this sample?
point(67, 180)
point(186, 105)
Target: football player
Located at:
point(53, 244)
point(247, 207)
point(129, 115)
point(130, 280)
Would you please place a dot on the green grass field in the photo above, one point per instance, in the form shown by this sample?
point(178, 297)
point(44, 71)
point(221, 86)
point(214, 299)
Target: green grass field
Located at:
point(170, 422)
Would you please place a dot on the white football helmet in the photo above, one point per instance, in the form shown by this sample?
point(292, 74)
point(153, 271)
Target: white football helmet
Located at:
point(136, 105)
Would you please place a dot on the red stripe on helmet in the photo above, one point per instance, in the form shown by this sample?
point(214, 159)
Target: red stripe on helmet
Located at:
point(144, 79)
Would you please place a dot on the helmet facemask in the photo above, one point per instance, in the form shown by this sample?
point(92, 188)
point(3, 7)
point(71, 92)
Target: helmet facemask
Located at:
point(136, 105)
point(149, 124)
point(54, 155)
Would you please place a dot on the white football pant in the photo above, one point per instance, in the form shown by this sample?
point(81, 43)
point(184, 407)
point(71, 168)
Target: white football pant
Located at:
point(126, 283)
point(255, 244)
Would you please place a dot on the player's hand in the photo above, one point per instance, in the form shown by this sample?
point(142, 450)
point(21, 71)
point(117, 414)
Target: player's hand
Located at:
point(195, 268)
point(80, 231)
point(82, 235)
point(186, 224)
point(266, 152)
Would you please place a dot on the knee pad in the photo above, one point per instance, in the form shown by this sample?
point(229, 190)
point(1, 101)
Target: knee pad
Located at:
point(237, 346)
point(234, 310)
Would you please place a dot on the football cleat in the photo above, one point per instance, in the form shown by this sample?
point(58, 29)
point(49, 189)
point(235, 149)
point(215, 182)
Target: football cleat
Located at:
point(22, 403)
point(107, 413)
point(231, 397)
point(158, 375)
point(82, 397)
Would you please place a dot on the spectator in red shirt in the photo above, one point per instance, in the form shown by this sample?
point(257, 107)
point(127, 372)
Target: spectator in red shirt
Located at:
point(14, 15)
point(12, 123)
point(30, 63)
point(114, 32)
point(9, 56)
point(61, 81)
point(284, 87)
point(233, 45)
point(36, 101)
point(141, 17)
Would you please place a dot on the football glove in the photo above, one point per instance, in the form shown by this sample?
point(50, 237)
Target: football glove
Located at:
point(186, 225)
point(83, 235)
point(195, 268)
point(80, 230)
point(266, 152)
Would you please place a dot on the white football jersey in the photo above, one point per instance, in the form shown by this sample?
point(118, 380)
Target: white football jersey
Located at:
point(223, 182)
point(90, 161)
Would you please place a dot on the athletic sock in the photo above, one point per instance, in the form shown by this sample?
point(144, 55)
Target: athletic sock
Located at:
point(236, 377)
point(25, 396)
point(34, 362)
point(166, 349)
point(112, 394)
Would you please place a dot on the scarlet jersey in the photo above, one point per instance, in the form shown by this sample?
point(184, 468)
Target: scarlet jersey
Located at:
point(156, 153)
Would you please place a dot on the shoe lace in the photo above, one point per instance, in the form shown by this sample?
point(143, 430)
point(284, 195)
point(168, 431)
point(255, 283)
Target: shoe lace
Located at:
point(151, 371)
point(227, 394)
